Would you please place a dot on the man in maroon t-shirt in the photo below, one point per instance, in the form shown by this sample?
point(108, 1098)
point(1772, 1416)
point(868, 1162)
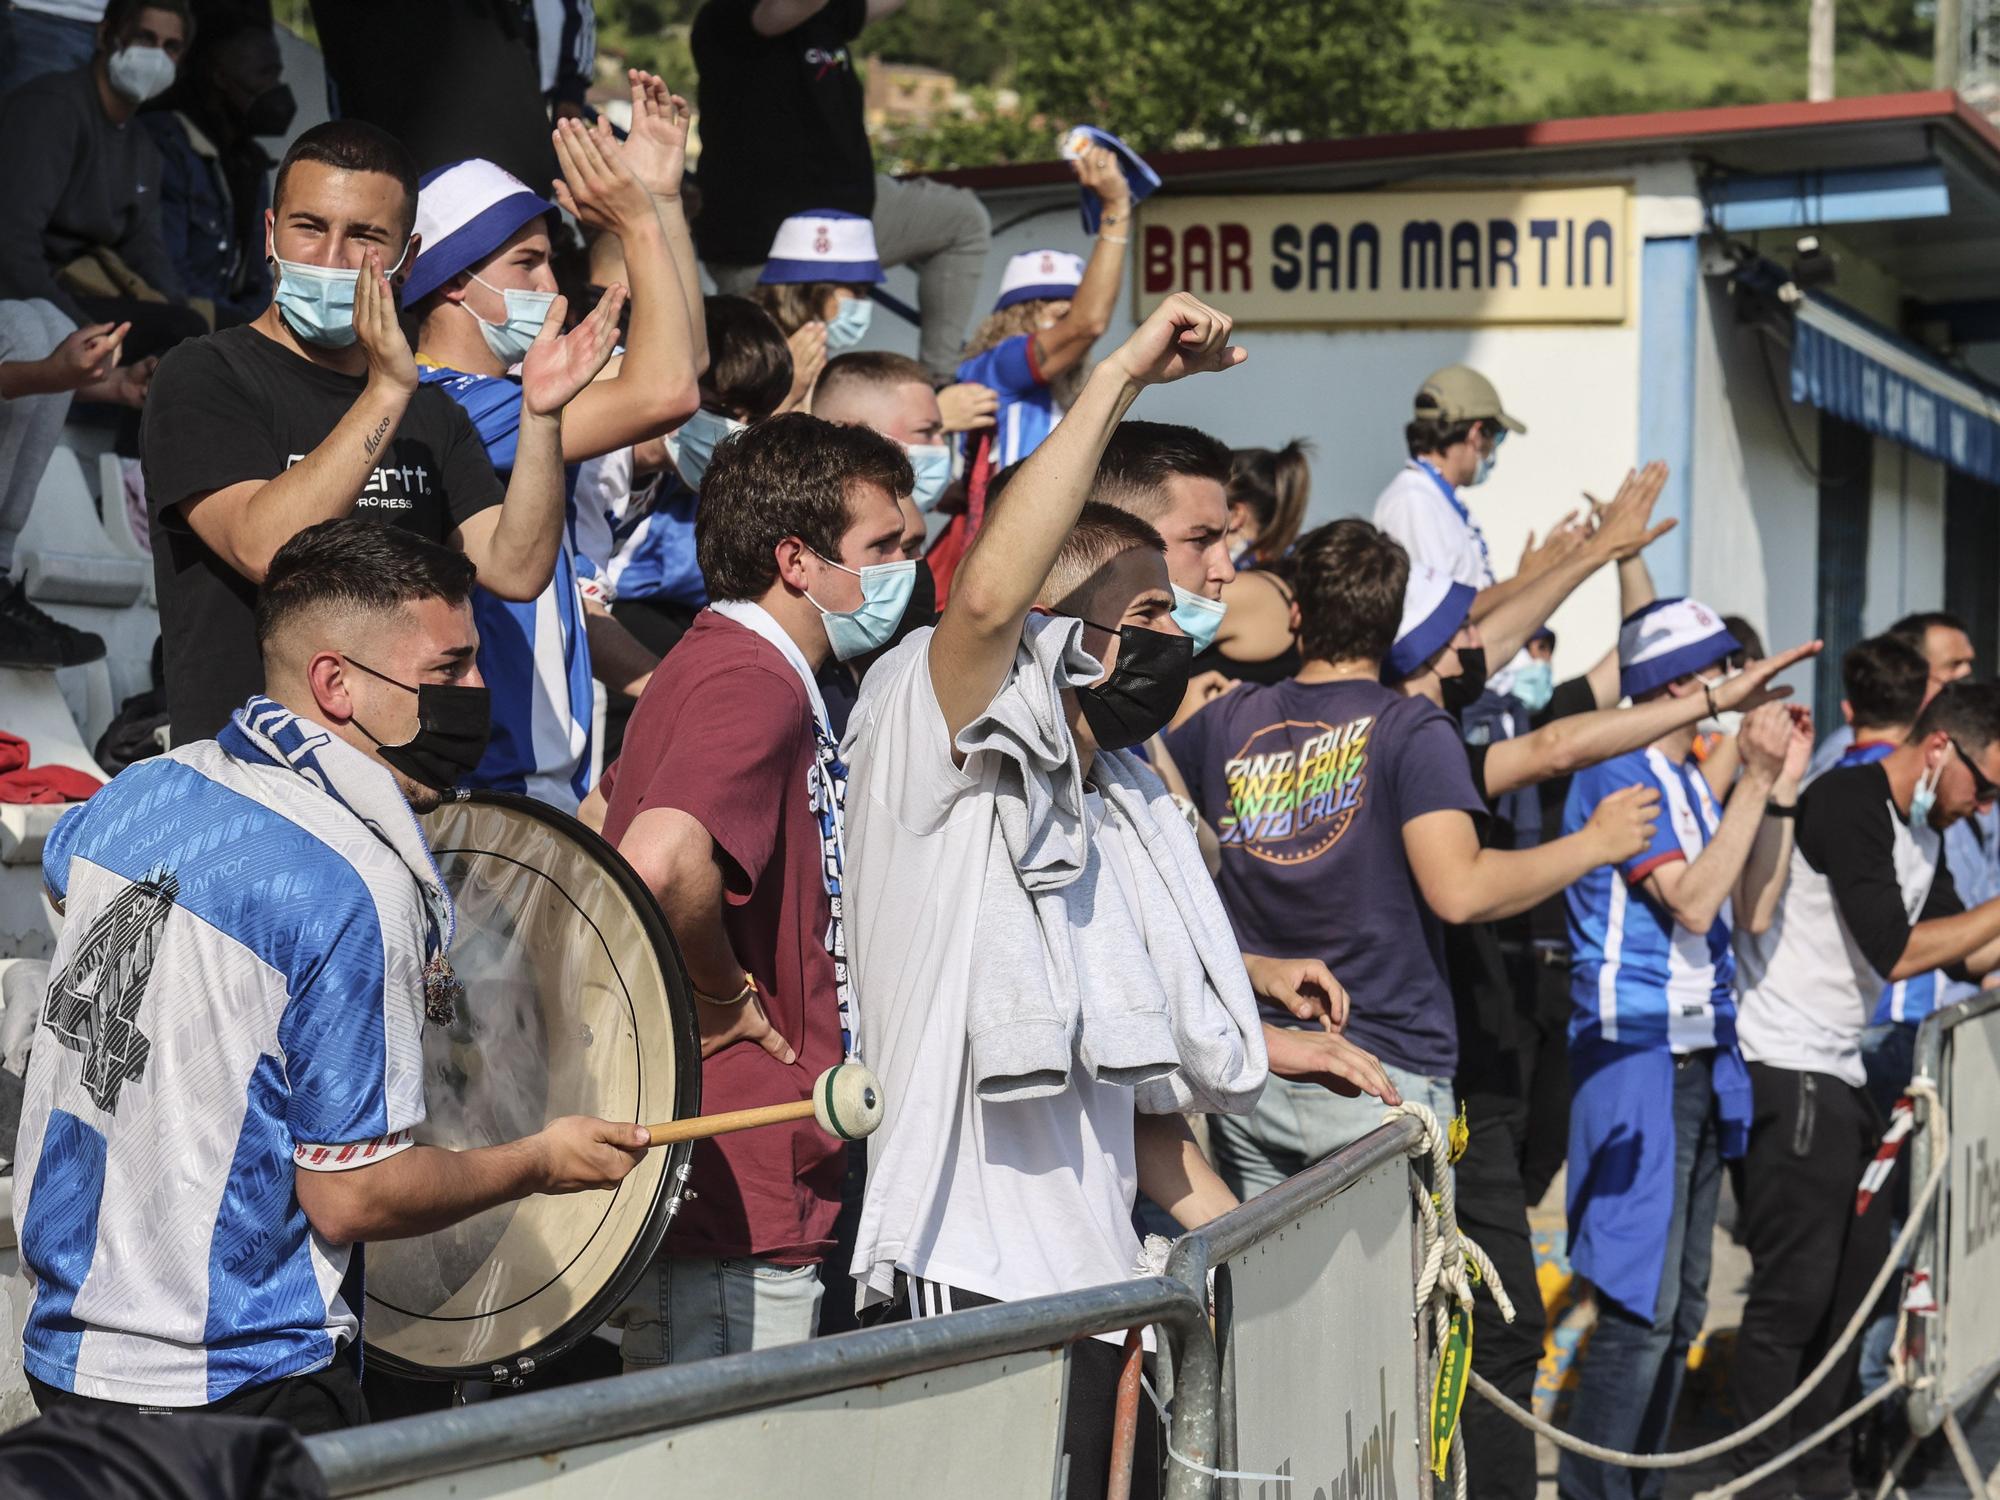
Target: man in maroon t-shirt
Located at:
point(726, 802)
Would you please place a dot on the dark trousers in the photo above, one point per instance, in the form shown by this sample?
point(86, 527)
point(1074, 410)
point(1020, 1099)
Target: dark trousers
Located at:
point(1811, 1259)
point(1094, 1367)
point(324, 1401)
point(1493, 1210)
point(156, 326)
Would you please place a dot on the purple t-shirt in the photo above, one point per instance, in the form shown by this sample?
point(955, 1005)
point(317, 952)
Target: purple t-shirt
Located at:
point(1308, 787)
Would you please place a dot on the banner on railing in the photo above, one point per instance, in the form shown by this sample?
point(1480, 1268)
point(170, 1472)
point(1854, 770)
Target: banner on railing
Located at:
point(1970, 1345)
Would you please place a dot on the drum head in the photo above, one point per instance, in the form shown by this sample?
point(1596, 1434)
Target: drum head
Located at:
point(576, 1003)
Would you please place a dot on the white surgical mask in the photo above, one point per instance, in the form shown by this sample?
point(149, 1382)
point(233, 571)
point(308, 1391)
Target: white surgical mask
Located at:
point(317, 302)
point(1923, 797)
point(694, 442)
point(141, 73)
point(526, 312)
point(931, 463)
point(849, 323)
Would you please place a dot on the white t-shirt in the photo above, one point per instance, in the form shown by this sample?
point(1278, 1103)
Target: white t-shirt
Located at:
point(1011, 1199)
point(1416, 512)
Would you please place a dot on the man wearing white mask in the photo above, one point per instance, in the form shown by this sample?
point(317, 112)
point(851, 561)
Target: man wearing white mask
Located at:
point(314, 411)
point(482, 288)
point(82, 183)
point(728, 803)
point(892, 394)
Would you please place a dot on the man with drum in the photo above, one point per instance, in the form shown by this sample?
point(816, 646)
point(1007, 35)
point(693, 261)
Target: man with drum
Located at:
point(228, 1068)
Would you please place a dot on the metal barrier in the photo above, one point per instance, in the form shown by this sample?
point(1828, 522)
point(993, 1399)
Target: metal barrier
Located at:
point(1958, 1049)
point(1320, 1368)
point(970, 1403)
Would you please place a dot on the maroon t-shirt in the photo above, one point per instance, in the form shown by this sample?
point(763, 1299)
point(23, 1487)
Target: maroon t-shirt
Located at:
point(724, 734)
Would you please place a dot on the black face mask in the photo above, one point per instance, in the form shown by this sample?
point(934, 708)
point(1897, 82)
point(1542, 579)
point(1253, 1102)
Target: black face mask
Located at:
point(453, 726)
point(1144, 690)
point(1462, 691)
point(270, 113)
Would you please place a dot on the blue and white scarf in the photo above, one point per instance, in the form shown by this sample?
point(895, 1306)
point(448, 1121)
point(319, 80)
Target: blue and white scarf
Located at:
point(826, 789)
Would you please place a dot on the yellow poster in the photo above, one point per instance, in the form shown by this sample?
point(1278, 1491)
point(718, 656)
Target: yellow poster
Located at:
point(1541, 255)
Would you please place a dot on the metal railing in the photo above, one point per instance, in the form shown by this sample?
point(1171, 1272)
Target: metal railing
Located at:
point(1266, 1217)
point(364, 1459)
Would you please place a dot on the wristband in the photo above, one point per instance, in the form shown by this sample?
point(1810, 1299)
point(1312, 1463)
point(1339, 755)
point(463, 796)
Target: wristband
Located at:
point(749, 989)
point(1709, 693)
point(1115, 239)
point(1776, 809)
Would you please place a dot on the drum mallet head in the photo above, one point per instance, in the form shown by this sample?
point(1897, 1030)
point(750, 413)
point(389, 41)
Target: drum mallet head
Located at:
point(847, 1101)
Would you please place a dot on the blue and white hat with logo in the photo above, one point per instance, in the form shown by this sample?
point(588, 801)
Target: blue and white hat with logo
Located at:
point(465, 212)
point(1034, 275)
point(1668, 639)
point(1435, 608)
point(824, 245)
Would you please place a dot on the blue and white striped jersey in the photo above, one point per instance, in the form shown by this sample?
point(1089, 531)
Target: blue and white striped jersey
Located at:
point(535, 656)
point(1637, 976)
point(1028, 412)
point(237, 994)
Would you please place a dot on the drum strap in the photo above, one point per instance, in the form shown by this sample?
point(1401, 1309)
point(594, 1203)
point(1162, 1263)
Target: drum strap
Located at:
point(826, 787)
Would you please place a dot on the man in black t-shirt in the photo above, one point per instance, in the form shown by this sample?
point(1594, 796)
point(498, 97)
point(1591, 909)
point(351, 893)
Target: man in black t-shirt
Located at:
point(313, 411)
point(783, 133)
point(1868, 899)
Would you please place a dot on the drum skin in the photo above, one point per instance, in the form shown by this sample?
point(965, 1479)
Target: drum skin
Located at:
point(576, 1003)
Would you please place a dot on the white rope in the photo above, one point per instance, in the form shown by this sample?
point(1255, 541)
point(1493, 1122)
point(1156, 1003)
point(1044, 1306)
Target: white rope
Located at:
point(1167, 1442)
point(1446, 1249)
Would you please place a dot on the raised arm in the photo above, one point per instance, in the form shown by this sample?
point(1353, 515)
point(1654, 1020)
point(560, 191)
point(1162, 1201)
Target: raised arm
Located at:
point(1508, 613)
point(1565, 746)
point(1463, 882)
point(245, 524)
point(1762, 884)
point(973, 648)
point(1692, 892)
point(514, 544)
point(655, 386)
point(1062, 347)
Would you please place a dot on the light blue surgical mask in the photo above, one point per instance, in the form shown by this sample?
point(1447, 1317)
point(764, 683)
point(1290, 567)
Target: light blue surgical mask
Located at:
point(1489, 458)
point(1923, 797)
point(317, 302)
point(1198, 616)
point(885, 594)
point(526, 312)
point(849, 324)
point(931, 463)
point(1534, 683)
point(694, 444)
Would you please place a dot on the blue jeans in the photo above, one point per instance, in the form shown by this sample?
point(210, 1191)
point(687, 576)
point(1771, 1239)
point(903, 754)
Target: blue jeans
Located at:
point(1633, 1367)
point(687, 1308)
point(1297, 1124)
point(32, 43)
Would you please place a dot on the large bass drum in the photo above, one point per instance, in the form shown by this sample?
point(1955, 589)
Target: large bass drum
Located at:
point(575, 1003)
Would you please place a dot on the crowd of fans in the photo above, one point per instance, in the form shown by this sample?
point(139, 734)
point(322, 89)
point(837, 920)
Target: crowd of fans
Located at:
point(1039, 756)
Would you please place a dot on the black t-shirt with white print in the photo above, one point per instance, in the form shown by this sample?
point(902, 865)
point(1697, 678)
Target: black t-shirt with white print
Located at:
point(1860, 879)
point(237, 406)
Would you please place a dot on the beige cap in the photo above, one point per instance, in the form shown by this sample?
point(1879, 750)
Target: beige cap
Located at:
point(1459, 393)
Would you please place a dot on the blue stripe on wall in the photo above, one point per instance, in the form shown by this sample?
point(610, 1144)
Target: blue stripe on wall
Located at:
point(1670, 281)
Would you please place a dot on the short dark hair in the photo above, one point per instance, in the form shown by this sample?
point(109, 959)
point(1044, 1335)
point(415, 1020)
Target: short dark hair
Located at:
point(1423, 435)
point(353, 146)
point(1915, 629)
point(1349, 577)
point(1142, 456)
point(870, 367)
point(749, 363)
point(118, 14)
point(788, 476)
point(1884, 679)
point(1967, 711)
point(357, 564)
point(1101, 533)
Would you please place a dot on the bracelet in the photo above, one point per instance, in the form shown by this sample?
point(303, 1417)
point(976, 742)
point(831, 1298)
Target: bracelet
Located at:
point(1709, 693)
point(1115, 239)
point(1776, 809)
point(749, 989)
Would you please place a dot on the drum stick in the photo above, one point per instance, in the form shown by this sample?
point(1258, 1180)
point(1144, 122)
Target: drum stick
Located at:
point(846, 1100)
point(701, 1127)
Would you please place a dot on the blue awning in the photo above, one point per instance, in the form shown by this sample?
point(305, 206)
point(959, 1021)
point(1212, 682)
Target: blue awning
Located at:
point(1852, 367)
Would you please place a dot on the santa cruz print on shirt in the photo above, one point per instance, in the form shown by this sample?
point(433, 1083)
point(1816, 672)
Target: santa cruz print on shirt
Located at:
point(1294, 789)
